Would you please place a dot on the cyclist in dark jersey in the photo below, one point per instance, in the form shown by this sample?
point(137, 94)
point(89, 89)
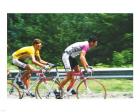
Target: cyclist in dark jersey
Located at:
point(70, 63)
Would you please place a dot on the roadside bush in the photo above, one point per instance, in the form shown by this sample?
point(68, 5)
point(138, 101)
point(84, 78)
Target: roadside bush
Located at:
point(123, 58)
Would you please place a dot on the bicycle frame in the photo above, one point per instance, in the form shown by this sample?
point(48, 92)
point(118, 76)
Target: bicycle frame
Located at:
point(38, 73)
point(78, 76)
point(81, 78)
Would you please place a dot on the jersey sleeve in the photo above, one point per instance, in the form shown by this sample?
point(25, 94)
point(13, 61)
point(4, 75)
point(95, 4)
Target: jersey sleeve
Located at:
point(85, 48)
point(37, 54)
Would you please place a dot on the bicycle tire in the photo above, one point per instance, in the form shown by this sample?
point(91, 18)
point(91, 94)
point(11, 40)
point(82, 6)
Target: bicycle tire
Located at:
point(45, 88)
point(13, 91)
point(91, 88)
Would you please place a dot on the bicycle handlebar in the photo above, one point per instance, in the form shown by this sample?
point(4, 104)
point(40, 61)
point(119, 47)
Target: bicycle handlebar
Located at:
point(55, 66)
point(90, 67)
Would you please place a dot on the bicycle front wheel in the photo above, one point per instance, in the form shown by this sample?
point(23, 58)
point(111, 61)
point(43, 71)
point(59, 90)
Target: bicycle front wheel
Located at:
point(45, 89)
point(13, 91)
point(91, 88)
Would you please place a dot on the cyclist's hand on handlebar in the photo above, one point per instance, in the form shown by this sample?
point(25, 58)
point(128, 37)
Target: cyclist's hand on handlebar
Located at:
point(89, 70)
point(46, 67)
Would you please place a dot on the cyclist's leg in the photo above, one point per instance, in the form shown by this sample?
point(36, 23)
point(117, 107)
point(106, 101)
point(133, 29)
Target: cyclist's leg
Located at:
point(20, 65)
point(72, 80)
point(66, 62)
point(66, 79)
point(27, 74)
point(26, 79)
point(75, 68)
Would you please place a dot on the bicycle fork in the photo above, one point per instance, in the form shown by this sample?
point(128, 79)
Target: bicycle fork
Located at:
point(86, 86)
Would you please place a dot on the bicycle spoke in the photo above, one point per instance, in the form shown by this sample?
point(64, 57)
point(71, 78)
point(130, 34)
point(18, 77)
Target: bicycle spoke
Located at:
point(45, 89)
point(91, 88)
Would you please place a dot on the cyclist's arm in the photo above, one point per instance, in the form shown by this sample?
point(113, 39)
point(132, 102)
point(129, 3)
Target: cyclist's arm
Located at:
point(83, 59)
point(37, 62)
point(41, 61)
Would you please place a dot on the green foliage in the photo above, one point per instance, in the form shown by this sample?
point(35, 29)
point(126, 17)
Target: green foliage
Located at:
point(115, 33)
point(101, 65)
point(122, 58)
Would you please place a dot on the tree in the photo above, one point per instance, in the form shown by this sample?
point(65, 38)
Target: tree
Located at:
point(115, 33)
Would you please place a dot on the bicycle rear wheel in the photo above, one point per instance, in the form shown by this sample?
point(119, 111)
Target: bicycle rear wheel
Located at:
point(45, 89)
point(91, 88)
point(13, 91)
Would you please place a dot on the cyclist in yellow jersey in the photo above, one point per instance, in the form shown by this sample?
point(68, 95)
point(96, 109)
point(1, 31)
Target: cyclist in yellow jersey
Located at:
point(28, 52)
point(25, 52)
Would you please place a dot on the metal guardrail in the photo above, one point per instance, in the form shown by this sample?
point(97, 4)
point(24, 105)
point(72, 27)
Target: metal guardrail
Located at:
point(114, 73)
point(107, 73)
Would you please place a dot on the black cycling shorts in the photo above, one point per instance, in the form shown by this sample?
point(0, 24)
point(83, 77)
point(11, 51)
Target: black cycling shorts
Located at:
point(73, 62)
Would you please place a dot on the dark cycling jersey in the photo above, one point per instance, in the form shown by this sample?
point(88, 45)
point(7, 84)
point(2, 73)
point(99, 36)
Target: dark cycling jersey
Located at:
point(75, 49)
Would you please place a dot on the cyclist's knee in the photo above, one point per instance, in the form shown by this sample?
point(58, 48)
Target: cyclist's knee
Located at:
point(70, 75)
point(29, 67)
point(77, 68)
point(27, 74)
point(28, 77)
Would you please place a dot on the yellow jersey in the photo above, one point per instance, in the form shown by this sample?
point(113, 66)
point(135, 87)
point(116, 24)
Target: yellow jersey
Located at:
point(25, 52)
